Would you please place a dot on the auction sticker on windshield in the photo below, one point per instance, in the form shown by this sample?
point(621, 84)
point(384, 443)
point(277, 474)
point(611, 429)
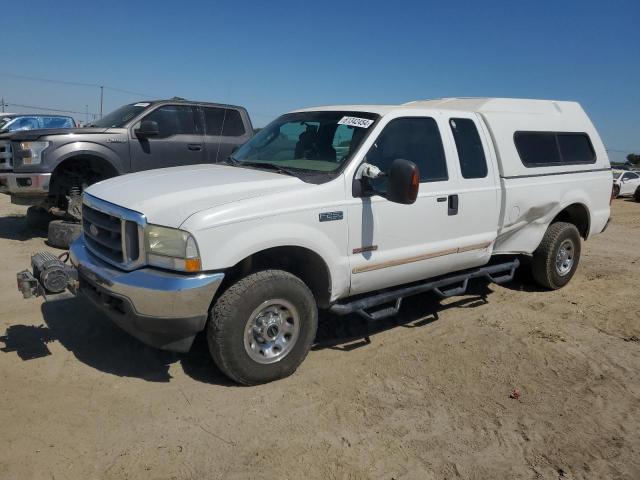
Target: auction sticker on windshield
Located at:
point(355, 122)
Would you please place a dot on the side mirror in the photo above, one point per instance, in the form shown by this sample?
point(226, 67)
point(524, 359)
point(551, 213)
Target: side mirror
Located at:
point(148, 128)
point(404, 182)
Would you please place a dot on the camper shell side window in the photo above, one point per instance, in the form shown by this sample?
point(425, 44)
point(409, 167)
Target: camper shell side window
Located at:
point(548, 149)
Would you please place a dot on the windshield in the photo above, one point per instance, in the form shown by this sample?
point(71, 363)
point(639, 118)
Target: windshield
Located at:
point(120, 117)
point(307, 142)
point(616, 175)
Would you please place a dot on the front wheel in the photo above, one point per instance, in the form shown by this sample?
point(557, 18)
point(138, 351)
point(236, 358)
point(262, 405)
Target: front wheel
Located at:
point(556, 259)
point(262, 327)
point(636, 195)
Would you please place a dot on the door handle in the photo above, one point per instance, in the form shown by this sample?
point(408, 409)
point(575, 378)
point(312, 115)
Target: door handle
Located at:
point(453, 204)
point(194, 147)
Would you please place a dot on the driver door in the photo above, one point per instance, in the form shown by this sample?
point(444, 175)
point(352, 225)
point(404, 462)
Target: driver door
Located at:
point(453, 221)
point(180, 140)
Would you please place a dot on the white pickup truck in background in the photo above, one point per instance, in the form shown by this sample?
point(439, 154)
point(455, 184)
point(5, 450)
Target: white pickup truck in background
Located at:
point(346, 208)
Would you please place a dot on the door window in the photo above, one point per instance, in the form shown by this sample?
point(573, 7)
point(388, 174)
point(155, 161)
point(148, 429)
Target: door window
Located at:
point(174, 120)
point(473, 163)
point(416, 139)
point(56, 122)
point(629, 176)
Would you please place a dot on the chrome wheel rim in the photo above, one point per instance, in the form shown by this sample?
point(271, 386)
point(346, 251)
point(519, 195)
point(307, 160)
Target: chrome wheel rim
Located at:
point(565, 257)
point(271, 331)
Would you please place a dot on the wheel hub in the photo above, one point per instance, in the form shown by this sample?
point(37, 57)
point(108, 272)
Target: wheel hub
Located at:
point(271, 331)
point(564, 257)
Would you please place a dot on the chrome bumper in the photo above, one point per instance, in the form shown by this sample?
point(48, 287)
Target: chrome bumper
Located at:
point(24, 183)
point(162, 309)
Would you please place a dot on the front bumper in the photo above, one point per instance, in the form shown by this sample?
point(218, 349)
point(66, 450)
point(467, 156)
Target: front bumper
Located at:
point(162, 309)
point(25, 183)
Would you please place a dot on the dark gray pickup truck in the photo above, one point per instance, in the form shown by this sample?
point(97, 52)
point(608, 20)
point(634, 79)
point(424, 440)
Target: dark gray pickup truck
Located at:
point(50, 168)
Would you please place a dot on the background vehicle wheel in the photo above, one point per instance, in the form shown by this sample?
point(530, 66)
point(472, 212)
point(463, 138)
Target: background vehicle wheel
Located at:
point(62, 233)
point(636, 195)
point(556, 259)
point(616, 191)
point(262, 327)
point(38, 218)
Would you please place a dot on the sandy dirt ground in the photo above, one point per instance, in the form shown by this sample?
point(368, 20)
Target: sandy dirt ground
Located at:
point(426, 397)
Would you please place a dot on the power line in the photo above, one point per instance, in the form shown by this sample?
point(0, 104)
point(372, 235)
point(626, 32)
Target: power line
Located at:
point(49, 109)
point(77, 84)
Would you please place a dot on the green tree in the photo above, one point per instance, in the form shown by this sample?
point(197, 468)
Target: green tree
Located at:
point(633, 158)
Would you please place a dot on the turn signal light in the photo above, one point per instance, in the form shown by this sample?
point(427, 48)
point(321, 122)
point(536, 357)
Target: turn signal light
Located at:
point(192, 265)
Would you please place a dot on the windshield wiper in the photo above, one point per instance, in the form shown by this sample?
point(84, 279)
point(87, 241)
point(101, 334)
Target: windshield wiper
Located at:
point(269, 166)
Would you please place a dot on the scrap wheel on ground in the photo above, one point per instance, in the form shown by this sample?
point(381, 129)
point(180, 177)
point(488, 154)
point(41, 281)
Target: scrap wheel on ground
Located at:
point(62, 233)
point(262, 327)
point(556, 259)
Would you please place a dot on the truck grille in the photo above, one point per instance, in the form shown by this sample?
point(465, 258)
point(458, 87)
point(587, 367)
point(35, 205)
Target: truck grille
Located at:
point(112, 233)
point(6, 158)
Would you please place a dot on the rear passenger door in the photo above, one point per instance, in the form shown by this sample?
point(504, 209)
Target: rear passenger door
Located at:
point(475, 201)
point(180, 140)
point(225, 130)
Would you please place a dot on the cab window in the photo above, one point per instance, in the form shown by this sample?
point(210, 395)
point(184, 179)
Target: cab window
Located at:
point(416, 139)
point(473, 163)
point(174, 120)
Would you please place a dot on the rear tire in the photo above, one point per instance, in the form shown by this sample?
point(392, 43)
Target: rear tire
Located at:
point(38, 218)
point(262, 327)
point(556, 259)
point(636, 195)
point(63, 233)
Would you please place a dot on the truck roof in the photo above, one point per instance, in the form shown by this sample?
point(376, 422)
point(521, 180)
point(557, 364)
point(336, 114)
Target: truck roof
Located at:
point(182, 101)
point(467, 104)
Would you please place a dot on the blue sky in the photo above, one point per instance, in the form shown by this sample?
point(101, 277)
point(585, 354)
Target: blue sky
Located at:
point(276, 56)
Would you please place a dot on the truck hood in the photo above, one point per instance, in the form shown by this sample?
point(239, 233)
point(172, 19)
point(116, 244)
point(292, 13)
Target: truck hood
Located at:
point(169, 196)
point(29, 135)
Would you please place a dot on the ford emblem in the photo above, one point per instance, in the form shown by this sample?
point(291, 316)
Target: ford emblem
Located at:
point(94, 230)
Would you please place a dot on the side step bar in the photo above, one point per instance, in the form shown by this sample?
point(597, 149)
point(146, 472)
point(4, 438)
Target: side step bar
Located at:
point(444, 287)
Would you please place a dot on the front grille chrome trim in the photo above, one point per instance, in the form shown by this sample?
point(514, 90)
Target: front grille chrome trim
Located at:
point(124, 215)
point(6, 156)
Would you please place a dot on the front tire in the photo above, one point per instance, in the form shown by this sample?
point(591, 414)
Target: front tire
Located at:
point(636, 195)
point(262, 327)
point(556, 259)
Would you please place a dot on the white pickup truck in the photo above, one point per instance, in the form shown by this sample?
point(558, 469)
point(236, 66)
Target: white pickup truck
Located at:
point(345, 208)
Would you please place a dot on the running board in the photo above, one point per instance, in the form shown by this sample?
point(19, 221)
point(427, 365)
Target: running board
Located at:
point(444, 287)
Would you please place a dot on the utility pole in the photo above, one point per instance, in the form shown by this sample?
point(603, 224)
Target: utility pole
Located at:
point(2, 104)
point(101, 99)
point(86, 115)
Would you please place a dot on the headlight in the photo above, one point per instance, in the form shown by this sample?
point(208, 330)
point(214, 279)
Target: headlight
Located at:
point(32, 152)
point(171, 248)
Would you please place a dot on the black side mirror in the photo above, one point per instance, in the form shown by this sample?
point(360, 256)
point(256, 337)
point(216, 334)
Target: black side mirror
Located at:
point(404, 182)
point(148, 128)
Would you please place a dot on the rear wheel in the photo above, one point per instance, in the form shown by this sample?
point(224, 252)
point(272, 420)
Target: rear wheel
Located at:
point(636, 195)
point(556, 259)
point(262, 327)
